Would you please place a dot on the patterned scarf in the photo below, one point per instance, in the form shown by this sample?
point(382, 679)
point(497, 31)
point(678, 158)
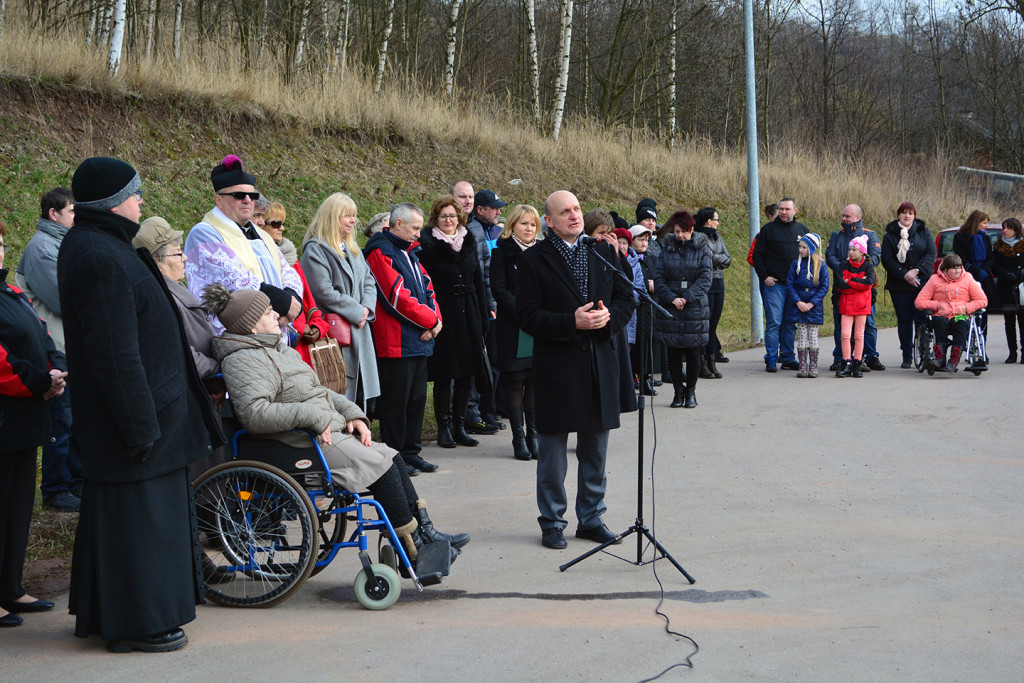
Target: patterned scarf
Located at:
point(901, 253)
point(576, 258)
point(454, 240)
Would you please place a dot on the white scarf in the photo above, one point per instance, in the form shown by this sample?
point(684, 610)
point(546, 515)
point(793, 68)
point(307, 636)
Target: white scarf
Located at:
point(901, 253)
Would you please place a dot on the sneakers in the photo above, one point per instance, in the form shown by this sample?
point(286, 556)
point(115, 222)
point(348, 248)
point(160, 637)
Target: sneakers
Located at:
point(790, 365)
point(480, 427)
point(64, 502)
point(874, 364)
point(770, 367)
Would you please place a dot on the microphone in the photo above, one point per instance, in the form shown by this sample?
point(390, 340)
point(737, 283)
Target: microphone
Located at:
point(587, 239)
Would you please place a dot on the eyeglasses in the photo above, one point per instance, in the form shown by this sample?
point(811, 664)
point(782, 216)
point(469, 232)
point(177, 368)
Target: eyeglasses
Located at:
point(448, 217)
point(275, 224)
point(240, 196)
point(138, 195)
point(180, 255)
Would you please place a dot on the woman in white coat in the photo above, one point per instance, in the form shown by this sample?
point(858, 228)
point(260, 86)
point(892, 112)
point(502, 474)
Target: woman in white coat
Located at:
point(341, 283)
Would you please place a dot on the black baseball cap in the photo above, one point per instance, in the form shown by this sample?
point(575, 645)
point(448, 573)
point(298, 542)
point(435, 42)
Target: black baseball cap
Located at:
point(488, 198)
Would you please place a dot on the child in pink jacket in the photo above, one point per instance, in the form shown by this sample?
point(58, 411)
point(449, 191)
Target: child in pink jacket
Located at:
point(951, 296)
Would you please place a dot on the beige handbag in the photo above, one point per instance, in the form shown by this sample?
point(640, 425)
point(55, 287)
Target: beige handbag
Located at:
point(329, 364)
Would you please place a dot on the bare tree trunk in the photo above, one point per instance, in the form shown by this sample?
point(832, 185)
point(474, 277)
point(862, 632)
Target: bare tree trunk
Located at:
point(449, 64)
point(341, 41)
point(117, 39)
point(150, 27)
point(672, 74)
point(262, 38)
point(300, 49)
point(531, 40)
point(563, 58)
point(178, 10)
point(935, 38)
point(3, 11)
point(388, 26)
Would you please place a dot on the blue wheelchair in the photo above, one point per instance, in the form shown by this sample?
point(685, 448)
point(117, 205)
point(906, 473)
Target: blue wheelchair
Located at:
point(269, 522)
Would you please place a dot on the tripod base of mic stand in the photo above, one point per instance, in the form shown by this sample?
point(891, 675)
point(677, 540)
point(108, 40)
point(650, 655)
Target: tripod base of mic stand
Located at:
point(642, 532)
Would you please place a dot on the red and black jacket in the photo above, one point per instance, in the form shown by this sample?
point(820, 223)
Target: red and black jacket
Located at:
point(26, 356)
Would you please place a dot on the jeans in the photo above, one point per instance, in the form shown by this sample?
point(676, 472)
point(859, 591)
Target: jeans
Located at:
point(870, 335)
point(62, 461)
point(779, 336)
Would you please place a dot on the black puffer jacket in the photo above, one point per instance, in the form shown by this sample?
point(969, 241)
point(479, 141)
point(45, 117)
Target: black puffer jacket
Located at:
point(684, 269)
point(26, 356)
point(1008, 268)
point(921, 255)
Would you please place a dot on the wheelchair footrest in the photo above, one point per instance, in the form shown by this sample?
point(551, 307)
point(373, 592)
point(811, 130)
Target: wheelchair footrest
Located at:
point(433, 562)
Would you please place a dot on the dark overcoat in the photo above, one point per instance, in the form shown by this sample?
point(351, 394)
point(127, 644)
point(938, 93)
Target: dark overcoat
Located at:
point(459, 289)
point(504, 258)
point(684, 269)
point(134, 379)
point(576, 373)
point(1008, 268)
point(920, 255)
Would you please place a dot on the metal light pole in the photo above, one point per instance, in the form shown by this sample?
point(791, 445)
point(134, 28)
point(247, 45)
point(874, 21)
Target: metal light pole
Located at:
point(753, 193)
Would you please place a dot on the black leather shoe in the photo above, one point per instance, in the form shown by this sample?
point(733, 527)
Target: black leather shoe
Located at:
point(874, 364)
point(599, 534)
point(462, 438)
point(12, 620)
point(26, 607)
point(836, 366)
point(493, 422)
point(411, 471)
point(444, 437)
point(480, 427)
point(419, 463)
point(165, 642)
point(553, 538)
point(719, 358)
point(790, 365)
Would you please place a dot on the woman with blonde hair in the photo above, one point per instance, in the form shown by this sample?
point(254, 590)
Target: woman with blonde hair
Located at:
point(515, 348)
point(341, 283)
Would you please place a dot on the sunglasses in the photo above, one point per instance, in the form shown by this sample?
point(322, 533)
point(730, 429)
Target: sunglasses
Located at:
point(275, 224)
point(240, 195)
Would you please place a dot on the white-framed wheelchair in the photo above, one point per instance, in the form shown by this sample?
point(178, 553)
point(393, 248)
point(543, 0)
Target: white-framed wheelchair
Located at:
point(975, 352)
point(272, 520)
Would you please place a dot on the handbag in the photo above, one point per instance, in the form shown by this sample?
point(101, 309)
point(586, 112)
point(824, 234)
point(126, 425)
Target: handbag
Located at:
point(340, 331)
point(329, 364)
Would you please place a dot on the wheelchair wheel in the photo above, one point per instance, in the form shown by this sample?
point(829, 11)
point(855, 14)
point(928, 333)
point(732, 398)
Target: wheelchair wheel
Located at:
point(922, 348)
point(332, 531)
point(258, 530)
point(380, 593)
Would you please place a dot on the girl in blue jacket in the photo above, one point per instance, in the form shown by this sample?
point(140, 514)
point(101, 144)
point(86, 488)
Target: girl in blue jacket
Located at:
point(806, 287)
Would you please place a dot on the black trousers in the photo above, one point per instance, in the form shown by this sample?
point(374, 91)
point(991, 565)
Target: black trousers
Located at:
point(943, 327)
point(675, 366)
point(402, 400)
point(17, 493)
point(716, 302)
point(907, 318)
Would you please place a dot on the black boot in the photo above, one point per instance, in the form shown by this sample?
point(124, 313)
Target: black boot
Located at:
point(677, 398)
point(458, 541)
point(1009, 323)
point(520, 451)
point(706, 371)
point(855, 370)
point(845, 370)
point(443, 414)
point(690, 397)
point(432, 559)
point(711, 366)
point(460, 401)
point(531, 433)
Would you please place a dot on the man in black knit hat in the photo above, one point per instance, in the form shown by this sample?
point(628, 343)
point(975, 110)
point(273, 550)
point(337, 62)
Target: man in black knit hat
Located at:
point(141, 416)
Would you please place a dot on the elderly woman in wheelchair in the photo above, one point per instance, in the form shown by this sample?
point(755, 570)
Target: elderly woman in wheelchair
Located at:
point(952, 296)
point(273, 391)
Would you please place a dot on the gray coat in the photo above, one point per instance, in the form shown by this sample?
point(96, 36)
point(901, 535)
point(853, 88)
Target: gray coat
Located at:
point(37, 276)
point(198, 329)
point(273, 391)
point(344, 286)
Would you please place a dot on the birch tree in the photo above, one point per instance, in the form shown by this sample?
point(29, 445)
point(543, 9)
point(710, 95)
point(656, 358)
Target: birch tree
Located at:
point(563, 58)
point(116, 39)
point(179, 6)
point(389, 24)
point(673, 10)
point(341, 40)
point(449, 64)
point(3, 11)
point(531, 42)
point(150, 27)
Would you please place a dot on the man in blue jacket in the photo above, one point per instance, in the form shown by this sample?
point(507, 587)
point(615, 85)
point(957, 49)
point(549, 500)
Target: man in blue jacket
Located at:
point(835, 256)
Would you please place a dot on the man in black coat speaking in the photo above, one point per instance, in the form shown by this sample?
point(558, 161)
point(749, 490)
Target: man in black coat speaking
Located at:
point(572, 306)
point(142, 415)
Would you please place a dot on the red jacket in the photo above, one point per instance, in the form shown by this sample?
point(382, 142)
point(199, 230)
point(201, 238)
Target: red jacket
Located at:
point(855, 287)
point(310, 317)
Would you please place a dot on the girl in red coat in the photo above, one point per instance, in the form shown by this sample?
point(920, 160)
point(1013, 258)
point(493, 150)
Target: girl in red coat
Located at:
point(855, 304)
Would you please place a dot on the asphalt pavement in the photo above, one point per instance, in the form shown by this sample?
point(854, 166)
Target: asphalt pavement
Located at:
point(838, 529)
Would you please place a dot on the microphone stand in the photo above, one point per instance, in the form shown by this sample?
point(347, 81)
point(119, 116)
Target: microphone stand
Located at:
point(645, 322)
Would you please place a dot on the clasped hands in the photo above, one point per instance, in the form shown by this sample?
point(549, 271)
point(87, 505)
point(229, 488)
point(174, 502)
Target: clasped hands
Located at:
point(590, 318)
point(57, 384)
point(357, 428)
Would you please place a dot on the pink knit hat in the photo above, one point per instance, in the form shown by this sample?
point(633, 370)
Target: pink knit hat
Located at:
point(860, 243)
